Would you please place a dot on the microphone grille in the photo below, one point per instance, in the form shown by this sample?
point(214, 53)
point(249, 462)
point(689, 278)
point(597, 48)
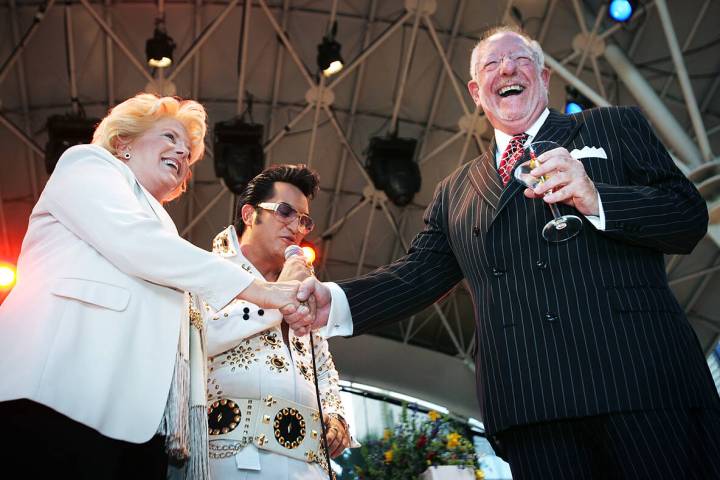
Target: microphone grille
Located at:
point(292, 250)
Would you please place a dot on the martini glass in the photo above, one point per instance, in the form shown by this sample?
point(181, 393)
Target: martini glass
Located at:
point(562, 227)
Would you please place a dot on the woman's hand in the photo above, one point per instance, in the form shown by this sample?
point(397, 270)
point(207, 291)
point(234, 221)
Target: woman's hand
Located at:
point(338, 436)
point(280, 295)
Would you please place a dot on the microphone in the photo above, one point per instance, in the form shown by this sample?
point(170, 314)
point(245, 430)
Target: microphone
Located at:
point(293, 250)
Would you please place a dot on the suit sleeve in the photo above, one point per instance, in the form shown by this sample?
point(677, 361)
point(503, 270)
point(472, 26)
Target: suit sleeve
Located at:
point(659, 208)
point(93, 199)
point(427, 272)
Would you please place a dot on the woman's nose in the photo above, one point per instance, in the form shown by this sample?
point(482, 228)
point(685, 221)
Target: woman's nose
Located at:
point(183, 151)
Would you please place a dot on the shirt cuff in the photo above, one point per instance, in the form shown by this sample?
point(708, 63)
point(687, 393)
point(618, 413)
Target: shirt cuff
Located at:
point(340, 320)
point(598, 221)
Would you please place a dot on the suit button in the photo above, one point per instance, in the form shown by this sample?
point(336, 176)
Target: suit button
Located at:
point(476, 231)
point(551, 317)
point(541, 264)
point(498, 272)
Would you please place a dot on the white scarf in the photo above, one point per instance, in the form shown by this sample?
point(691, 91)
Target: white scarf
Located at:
point(184, 423)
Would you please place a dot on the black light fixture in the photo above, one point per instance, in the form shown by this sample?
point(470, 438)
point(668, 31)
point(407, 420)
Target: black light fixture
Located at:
point(392, 169)
point(238, 152)
point(64, 131)
point(329, 59)
point(575, 102)
point(159, 49)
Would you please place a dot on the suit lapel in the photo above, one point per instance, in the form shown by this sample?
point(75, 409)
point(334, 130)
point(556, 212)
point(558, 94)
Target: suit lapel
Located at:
point(485, 178)
point(557, 128)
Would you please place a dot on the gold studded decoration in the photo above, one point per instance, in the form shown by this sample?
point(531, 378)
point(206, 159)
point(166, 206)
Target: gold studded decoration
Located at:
point(223, 245)
point(195, 315)
point(270, 339)
point(299, 346)
point(289, 428)
point(277, 363)
point(223, 416)
point(305, 371)
point(241, 356)
point(331, 400)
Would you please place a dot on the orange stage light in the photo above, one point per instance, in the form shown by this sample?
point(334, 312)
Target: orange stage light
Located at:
point(309, 253)
point(7, 276)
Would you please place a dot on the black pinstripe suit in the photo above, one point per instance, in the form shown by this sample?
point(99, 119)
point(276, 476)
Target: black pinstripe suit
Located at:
point(566, 330)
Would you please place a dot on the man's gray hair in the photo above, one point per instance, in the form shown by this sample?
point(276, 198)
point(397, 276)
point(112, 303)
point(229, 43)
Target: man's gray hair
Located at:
point(535, 48)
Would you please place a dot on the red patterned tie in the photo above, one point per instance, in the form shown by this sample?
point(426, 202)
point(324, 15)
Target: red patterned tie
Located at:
point(511, 155)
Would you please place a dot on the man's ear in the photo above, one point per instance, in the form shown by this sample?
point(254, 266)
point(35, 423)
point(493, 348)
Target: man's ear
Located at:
point(474, 88)
point(247, 213)
point(545, 76)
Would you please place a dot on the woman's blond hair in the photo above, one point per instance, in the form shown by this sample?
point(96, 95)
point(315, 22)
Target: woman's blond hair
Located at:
point(134, 116)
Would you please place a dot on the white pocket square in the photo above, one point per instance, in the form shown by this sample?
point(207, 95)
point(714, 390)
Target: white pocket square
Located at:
point(595, 152)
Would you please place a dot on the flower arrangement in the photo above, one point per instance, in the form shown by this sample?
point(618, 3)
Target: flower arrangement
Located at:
point(413, 446)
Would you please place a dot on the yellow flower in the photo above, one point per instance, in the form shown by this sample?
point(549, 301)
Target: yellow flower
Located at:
point(453, 440)
point(479, 474)
point(388, 456)
point(433, 415)
point(387, 434)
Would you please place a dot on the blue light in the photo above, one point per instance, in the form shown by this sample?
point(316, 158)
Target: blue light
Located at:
point(620, 10)
point(572, 107)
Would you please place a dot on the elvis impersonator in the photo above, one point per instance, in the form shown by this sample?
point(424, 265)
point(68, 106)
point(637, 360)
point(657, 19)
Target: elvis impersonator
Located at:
point(264, 385)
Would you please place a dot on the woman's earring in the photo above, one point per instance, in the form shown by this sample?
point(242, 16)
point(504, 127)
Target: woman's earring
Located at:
point(126, 155)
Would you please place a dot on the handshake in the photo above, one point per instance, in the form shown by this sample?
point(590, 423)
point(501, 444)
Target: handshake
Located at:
point(302, 299)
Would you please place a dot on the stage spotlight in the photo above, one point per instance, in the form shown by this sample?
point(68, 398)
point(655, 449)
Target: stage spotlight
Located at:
point(7, 276)
point(329, 59)
point(238, 153)
point(159, 49)
point(621, 10)
point(64, 131)
point(392, 169)
point(309, 251)
point(572, 107)
point(575, 101)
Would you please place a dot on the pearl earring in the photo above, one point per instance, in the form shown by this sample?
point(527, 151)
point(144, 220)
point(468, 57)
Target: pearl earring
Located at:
point(126, 155)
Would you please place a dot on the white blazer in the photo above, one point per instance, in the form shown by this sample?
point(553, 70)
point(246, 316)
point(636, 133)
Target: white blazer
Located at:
point(91, 328)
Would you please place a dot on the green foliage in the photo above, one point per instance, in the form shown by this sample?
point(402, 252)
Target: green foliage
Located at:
point(412, 446)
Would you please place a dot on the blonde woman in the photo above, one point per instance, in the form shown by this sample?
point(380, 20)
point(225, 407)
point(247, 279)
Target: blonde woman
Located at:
point(94, 336)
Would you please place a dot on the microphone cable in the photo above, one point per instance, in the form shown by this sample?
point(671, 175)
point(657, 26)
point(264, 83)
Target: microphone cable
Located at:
point(289, 252)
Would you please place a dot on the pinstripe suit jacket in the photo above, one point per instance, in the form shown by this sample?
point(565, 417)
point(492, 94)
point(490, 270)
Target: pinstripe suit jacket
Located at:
point(565, 330)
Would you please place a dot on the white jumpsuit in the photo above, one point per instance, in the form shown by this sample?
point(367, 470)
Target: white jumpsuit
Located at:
point(248, 359)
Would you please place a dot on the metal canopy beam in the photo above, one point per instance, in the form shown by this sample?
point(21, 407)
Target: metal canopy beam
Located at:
point(684, 79)
point(659, 114)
